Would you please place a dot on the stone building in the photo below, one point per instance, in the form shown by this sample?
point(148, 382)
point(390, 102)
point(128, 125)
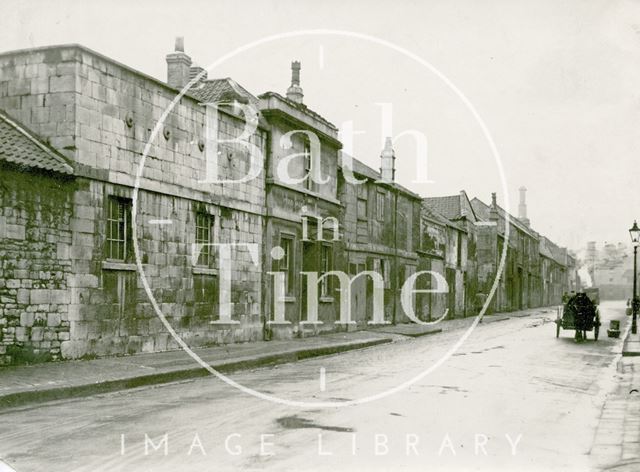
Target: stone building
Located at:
point(554, 272)
point(303, 214)
point(381, 234)
point(519, 286)
point(132, 207)
point(460, 261)
point(434, 234)
point(99, 114)
point(37, 186)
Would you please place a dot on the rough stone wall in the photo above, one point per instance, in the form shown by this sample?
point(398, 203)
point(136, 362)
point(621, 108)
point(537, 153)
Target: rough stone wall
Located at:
point(110, 311)
point(101, 114)
point(487, 259)
point(35, 245)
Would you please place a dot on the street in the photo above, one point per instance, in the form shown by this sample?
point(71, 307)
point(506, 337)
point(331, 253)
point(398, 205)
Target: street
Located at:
point(512, 398)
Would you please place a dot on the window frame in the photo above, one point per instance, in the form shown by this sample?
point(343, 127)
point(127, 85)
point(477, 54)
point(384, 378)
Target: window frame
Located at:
point(326, 265)
point(206, 251)
point(287, 263)
point(381, 198)
point(123, 222)
point(308, 164)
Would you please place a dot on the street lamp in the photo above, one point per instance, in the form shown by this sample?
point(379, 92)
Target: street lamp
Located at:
point(634, 232)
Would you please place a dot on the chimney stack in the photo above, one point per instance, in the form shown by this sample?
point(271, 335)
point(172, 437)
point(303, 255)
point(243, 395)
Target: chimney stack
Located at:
point(522, 207)
point(178, 66)
point(387, 162)
point(194, 71)
point(493, 210)
point(294, 92)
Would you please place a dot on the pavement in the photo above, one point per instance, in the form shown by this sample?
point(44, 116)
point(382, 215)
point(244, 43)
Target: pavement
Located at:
point(20, 385)
point(29, 384)
point(616, 445)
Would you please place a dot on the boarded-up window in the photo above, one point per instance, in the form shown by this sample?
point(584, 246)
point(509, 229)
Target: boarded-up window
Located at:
point(205, 296)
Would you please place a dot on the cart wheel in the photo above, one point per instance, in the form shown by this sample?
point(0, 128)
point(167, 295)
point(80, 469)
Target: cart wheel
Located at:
point(557, 330)
point(596, 331)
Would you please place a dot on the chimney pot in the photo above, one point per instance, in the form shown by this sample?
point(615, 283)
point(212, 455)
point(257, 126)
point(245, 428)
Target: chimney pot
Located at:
point(493, 210)
point(522, 207)
point(387, 162)
point(179, 44)
point(194, 71)
point(294, 92)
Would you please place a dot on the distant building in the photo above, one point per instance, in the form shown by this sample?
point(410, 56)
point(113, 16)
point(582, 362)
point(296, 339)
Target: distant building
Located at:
point(610, 268)
point(460, 255)
point(519, 286)
point(382, 231)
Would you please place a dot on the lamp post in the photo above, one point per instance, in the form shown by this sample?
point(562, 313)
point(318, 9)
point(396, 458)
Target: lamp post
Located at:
point(635, 237)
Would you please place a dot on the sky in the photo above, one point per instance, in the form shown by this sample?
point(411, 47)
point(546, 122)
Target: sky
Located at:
point(554, 84)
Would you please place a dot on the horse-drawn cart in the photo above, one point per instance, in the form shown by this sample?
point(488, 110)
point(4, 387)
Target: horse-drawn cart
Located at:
point(580, 312)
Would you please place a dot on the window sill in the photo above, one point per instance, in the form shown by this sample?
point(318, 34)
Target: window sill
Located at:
point(289, 299)
point(326, 300)
point(278, 323)
point(204, 271)
point(113, 265)
point(224, 322)
point(314, 323)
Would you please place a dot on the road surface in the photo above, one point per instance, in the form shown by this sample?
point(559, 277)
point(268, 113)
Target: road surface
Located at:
point(513, 397)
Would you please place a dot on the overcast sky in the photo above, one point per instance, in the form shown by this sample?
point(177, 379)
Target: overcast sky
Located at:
point(557, 84)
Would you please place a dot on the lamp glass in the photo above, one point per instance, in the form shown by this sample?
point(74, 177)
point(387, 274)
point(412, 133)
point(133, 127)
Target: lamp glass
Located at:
point(634, 232)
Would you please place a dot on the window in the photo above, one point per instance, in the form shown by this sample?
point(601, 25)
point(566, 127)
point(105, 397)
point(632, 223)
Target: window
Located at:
point(286, 263)
point(362, 202)
point(401, 229)
point(204, 239)
point(385, 269)
point(118, 244)
point(205, 290)
point(380, 201)
point(307, 165)
point(326, 265)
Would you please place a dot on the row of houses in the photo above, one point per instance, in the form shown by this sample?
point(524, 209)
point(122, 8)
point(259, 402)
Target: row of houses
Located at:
point(224, 257)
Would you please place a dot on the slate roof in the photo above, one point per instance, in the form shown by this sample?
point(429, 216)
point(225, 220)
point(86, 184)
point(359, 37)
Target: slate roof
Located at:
point(360, 168)
point(433, 215)
point(481, 210)
point(544, 250)
point(449, 206)
point(221, 90)
point(20, 146)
